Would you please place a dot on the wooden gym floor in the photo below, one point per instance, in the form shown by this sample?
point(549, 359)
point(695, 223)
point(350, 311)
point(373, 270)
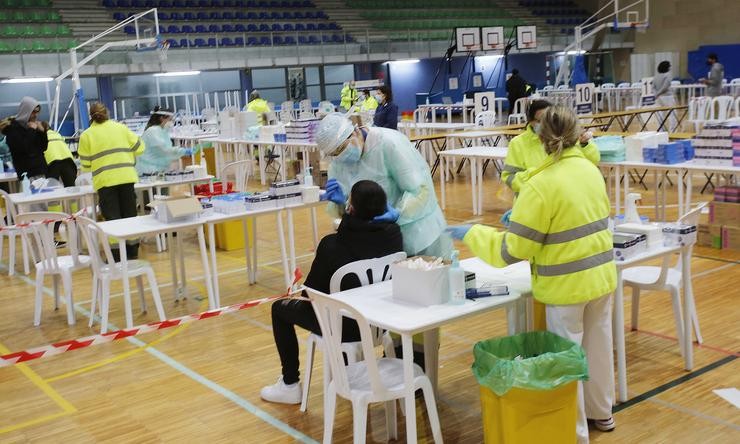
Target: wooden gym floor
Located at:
point(200, 382)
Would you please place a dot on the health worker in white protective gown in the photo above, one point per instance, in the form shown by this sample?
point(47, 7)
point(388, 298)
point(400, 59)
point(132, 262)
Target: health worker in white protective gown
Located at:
point(387, 157)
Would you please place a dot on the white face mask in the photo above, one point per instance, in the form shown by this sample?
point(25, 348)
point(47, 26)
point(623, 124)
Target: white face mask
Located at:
point(537, 127)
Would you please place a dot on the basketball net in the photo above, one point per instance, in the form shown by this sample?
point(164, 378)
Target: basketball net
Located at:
point(162, 49)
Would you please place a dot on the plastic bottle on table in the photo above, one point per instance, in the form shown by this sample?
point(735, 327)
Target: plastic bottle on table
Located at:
point(457, 280)
point(25, 184)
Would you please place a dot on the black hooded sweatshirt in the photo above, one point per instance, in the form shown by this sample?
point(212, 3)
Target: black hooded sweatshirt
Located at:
point(27, 145)
point(355, 240)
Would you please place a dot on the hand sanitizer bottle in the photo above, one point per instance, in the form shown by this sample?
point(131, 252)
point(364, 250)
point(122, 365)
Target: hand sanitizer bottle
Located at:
point(25, 184)
point(457, 280)
point(308, 178)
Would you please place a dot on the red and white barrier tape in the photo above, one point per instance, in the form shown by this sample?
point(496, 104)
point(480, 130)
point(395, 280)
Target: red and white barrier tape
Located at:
point(16, 227)
point(89, 341)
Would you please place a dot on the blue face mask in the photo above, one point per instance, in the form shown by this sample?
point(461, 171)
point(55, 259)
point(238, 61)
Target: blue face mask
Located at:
point(351, 154)
point(537, 127)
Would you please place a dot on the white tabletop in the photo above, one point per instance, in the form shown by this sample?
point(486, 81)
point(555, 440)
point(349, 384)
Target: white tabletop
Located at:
point(8, 177)
point(646, 255)
point(288, 143)
point(486, 152)
point(164, 183)
point(56, 194)
point(440, 126)
point(139, 226)
point(200, 136)
point(376, 303)
point(689, 165)
point(446, 105)
point(474, 134)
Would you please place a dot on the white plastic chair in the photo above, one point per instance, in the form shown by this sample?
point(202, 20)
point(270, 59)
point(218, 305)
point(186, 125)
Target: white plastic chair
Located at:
point(698, 111)
point(737, 108)
point(306, 109)
point(325, 107)
point(38, 233)
point(11, 235)
point(486, 119)
point(664, 278)
point(519, 112)
point(735, 86)
point(368, 271)
point(241, 170)
point(720, 108)
point(371, 380)
point(105, 269)
point(286, 111)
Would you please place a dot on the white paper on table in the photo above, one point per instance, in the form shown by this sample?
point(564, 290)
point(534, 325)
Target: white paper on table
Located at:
point(731, 395)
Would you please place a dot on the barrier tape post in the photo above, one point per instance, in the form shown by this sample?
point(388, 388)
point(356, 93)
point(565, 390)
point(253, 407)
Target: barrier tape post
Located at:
point(76, 344)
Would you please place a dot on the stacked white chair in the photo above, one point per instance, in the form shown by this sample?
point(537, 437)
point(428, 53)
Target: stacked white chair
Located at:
point(240, 170)
point(305, 109)
point(368, 381)
point(664, 278)
point(720, 109)
point(377, 269)
point(519, 112)
point(698, 111)
point(485, 119)
point(11, 235)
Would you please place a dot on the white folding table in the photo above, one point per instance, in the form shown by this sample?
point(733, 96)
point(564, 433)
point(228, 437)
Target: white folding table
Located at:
point(475, 154)
point(23, 201)
point(375, 302)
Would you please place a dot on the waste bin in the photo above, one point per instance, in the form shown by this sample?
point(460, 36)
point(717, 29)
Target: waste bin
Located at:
point(529, 387)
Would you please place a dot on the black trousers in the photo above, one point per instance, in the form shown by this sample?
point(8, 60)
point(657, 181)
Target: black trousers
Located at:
point(118, 202)
point(288, 313)
point(64, 171)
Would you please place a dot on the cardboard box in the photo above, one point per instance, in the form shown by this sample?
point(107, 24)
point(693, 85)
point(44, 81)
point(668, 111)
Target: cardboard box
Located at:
point(421, 287)
point(725, 213)
point(709, 235)
point(176, 209)
point(730, 237)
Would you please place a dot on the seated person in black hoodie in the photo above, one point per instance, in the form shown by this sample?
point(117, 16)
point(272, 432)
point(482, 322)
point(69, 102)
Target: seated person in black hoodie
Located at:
point(356, 238)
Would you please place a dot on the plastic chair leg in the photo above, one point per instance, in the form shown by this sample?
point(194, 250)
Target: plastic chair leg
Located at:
point(359, 421)
point(678, 318)
point(67, 283)
point(55, 280)
point(24, 249)
point(140, 287)
point(39, 295)
point(155, 294)
point(695, 322)
point(310, 350)
point(2, 241)
point(391, 423)
point(104, 304)
point(426, 387)
point(11, 255)
point(330, 406)
point(635, 307)
point(94, 300)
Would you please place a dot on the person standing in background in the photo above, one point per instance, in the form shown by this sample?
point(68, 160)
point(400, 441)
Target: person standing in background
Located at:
point(160, 153)
point(367, 101)
point(715, 77)
point(27, 140)
point(664, 94)
point(348, 96)
point(258, 105)
point(516, 88)
point(61, 164)
point(386, 115)
point(109, 150)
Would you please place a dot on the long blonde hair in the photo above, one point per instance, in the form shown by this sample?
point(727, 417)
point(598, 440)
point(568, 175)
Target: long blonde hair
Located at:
point(560, 130)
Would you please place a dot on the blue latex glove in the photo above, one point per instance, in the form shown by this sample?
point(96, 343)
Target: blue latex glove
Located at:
point(334, 193)
point(391, 215)
point(458, 231)
point(188, 152)
point(505, 219)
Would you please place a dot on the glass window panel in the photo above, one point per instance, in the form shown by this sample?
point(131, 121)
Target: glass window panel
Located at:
point(314, 93)
point(274, 95)
point(333, 92)
point(220, 80)
point(312, 75)
point(339, 73)
point(268, 78)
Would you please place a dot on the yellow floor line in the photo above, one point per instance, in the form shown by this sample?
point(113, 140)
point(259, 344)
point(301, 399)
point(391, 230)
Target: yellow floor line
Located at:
point(39, 382)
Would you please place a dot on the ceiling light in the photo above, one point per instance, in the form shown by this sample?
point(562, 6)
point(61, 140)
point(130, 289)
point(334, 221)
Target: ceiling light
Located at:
point(27, 80)
point(177, 73)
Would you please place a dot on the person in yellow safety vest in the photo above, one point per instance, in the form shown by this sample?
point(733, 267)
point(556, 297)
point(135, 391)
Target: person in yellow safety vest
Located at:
point(259, 106)
point(367, 102)
point(348, 96)
point(109, 150)
point(560, 225)
point(60, 163)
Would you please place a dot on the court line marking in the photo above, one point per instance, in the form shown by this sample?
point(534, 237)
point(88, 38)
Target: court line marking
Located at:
point(197, 377)
point(694, 344)
point(695, 413)
point(48, 390)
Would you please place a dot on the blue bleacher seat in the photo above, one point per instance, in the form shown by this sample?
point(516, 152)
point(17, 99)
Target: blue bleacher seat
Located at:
point(264, 27)
point(337, 38)
point(322, 27)
point(333, 26)
point(214, 4)
point(173, 29)
point(251, 4)
point(137, 4)
point(326, 39)
point(239, 41)
point(109, 3)
point(287, 15)
point(227, 3)
point(262, 4)
point(201, 29)
point(285, 4)
point(239, 4)
point(276, 27)
point(298, 15)
point(186, 29)
point(176, 16)
point(252, 16)
point(300, 27)
point(309, 15)
point(240, 28)
point(252, 28)
point(150, 4)
point(296, 4)
point(212, 41)
point(302, 40)
point(287, 27)
point(275, 15)
point(252, 41)
point(189, 16)
point(204, 3)
point(129, 29)
point(240, 15)
point(184, 43)
point(214, 28)
point(202, 15)
point(264, 16)
point(307, 4)
point(274, 4)
point(191, 4)
point(119, 16)
point(277, 40)
point(290, 40)
point(226, 42)
point(227, 16)
point(310, 27)
point(173, 43)
point(322, 15)
point(199, 43)
point(265, 41)
point(164, 4)
point(313, 40)
point(123, 3)
point(178, 4)
point(215, 15)
point(163, 16)
point(227, 28)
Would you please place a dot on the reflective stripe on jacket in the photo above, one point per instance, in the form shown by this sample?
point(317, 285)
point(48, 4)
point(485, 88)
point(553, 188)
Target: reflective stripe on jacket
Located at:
point(525, 153)
point(348, 97)
point(57, 148)
point(560, 224)
point(108, 149)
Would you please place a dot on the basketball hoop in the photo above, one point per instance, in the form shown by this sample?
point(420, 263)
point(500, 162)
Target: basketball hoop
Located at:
point(162, 48)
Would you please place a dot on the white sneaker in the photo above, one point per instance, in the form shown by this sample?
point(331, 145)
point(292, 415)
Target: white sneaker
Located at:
point(282, 393)
point(605, 425)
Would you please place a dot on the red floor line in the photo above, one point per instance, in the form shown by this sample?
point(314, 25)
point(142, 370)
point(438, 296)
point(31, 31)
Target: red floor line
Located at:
point(708, 347)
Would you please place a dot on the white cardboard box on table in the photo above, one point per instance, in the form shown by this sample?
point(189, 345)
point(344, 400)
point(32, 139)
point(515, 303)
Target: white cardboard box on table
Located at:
point(421, 287)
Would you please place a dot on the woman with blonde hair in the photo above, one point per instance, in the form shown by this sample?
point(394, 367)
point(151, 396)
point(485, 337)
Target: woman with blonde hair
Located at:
point(559, 224)
point(108, 149)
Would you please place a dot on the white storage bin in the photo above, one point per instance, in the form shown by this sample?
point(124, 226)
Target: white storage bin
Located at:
point(679, 235)
point(421, 287)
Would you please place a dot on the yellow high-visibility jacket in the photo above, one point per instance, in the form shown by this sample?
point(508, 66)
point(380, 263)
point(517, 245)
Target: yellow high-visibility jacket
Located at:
point(57, 148)
point(109, 150)
point(526, 153)
point(348, 97)
point(560, 224)
point(260, 107)
point(369, 104)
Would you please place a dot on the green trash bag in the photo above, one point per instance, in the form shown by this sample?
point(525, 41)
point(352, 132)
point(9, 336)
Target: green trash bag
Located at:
point(537, 360)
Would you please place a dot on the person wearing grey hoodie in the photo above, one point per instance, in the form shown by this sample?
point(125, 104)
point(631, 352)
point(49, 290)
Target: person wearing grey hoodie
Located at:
point(27, 140)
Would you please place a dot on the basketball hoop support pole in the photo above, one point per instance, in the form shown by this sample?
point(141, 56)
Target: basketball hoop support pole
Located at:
point(75, 65)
